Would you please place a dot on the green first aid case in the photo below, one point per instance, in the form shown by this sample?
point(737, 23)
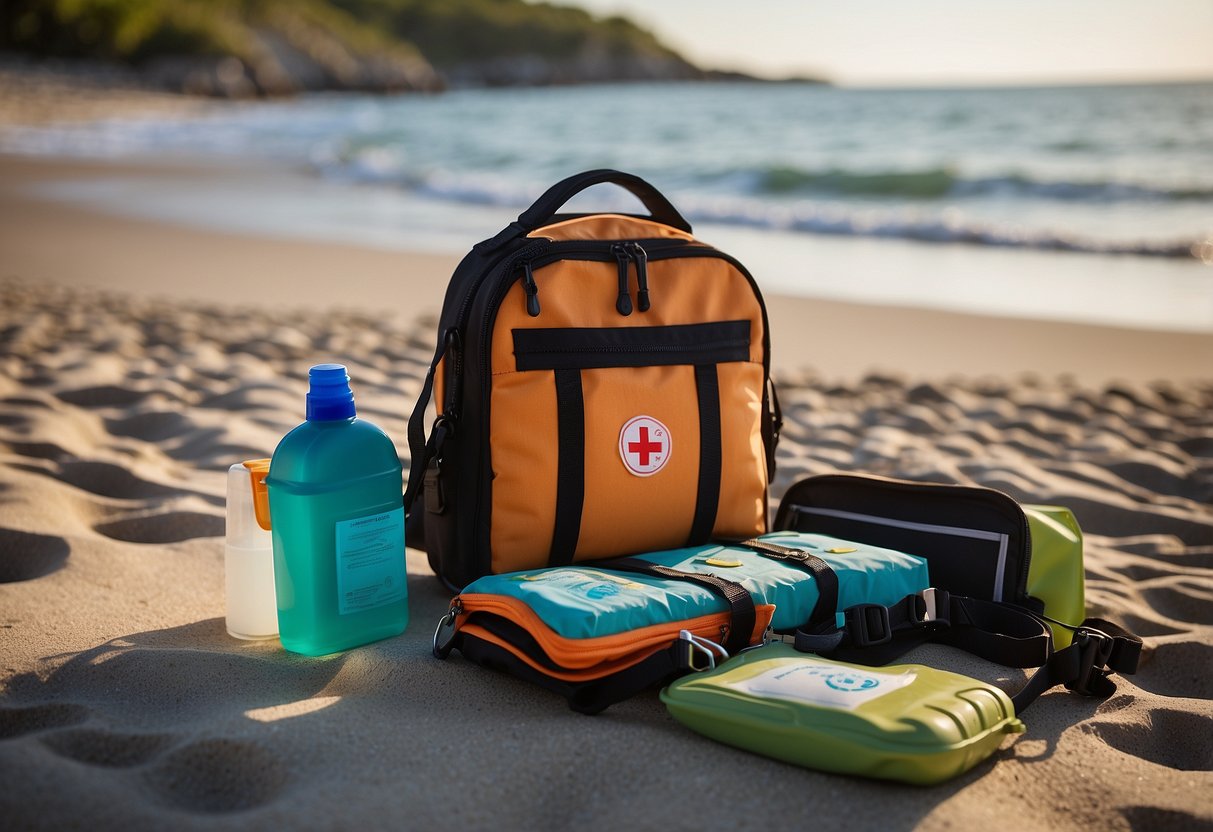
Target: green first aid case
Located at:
point(906, 722)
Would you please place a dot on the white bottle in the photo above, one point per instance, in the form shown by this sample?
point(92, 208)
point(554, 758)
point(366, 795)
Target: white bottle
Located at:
point(252, 608)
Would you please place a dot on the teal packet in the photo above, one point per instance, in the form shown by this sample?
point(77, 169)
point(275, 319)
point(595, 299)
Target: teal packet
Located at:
point(597, 633)
point(589, 601)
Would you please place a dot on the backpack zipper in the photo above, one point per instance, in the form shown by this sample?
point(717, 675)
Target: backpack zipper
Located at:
point(531, 289)
point(623, 304)
point(623, 253)
point(642, 275)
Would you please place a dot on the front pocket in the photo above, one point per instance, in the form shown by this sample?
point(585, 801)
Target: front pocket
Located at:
point(617, 440)
point(968, 561)
point(637, 346)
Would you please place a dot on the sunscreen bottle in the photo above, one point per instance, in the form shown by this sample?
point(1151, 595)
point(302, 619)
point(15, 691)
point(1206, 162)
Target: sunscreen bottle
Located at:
point(336, 500)
point(248, 559)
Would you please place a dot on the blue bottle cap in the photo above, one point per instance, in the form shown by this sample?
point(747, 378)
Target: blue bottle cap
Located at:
point(329, 396)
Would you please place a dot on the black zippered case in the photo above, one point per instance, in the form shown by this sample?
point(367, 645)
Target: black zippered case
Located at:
point(977, 541)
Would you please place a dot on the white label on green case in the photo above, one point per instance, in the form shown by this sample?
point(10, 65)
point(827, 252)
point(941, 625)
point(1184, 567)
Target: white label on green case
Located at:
point(834, 686)
point(370, 561)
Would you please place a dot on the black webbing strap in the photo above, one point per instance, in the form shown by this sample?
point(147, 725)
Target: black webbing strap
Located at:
point(998, 632)
point(570, 467)
point(707, 500)
point(742, 614)
point(419, 452)
point(1099, 649)
point(827, 581)
point(874, 634)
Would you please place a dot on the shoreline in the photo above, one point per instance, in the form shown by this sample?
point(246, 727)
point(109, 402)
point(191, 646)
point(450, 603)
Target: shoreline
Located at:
point(830, 339)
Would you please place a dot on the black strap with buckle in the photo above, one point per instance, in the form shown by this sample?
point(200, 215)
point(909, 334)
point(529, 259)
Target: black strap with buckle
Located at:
point(999, 632)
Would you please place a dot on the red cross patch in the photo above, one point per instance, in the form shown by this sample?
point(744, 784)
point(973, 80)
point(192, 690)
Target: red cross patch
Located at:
point(644, 446)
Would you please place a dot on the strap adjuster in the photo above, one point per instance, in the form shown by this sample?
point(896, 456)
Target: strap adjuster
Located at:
point(929, 608)
point(1094, 650)
point(868, 625)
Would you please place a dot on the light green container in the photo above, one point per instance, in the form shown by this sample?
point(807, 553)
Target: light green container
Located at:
point(337, 511)
point(906, 722)
point(1056, 575)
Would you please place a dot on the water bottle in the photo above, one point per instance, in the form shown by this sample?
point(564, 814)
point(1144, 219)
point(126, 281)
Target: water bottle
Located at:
point(337, 509)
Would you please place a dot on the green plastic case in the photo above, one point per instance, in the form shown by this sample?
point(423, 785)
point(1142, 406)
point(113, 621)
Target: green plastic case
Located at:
point(905, 722)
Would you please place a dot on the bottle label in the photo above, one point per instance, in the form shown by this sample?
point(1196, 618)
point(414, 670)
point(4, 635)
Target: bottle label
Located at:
point(370, 561)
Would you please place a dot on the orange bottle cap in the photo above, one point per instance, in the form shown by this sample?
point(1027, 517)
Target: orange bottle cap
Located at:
point(258, 470)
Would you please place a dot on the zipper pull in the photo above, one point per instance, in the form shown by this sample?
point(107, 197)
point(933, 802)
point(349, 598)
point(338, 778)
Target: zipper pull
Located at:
point(531, 289)
point(623, 304)
point(642, 276)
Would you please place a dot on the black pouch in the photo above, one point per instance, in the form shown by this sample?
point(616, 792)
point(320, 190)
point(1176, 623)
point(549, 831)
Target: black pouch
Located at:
point(976, 540)
point(1000, 572)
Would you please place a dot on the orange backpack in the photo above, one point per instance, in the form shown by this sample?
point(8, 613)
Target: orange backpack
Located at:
point(601, 387)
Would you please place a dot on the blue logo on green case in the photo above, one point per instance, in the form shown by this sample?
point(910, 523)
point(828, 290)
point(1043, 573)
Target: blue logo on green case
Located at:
point(850, 682)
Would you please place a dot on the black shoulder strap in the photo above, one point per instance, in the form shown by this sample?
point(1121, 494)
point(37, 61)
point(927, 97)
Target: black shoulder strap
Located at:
point(999, 632)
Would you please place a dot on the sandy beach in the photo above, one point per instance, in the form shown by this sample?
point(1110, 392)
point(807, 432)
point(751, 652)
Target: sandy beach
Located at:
point(138, 360)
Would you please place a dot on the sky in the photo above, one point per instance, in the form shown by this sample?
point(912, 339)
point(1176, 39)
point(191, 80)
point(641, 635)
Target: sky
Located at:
point(936, 42)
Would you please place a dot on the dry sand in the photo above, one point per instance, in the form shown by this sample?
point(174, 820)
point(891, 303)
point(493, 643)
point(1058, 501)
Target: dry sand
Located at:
point(137, 361)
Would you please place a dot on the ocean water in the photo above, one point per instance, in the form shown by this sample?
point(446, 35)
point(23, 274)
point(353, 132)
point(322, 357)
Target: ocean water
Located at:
point(1109, 188)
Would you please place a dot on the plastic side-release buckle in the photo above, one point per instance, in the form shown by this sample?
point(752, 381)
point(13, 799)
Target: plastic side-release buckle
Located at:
point(1094, 650)
point(930, 608)
point(435, 500)
point(691, 645)
point(868, 625)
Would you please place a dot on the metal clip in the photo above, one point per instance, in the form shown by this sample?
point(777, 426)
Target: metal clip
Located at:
point(698, 644)
point(442, 648)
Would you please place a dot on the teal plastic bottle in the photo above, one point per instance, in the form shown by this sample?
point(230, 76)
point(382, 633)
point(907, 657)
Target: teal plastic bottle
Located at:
point(337, 512)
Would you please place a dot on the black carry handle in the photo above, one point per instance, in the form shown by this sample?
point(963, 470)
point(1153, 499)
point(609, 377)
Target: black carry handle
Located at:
point(545, 209)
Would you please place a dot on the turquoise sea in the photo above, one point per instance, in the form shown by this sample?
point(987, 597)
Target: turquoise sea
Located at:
point(980, 199)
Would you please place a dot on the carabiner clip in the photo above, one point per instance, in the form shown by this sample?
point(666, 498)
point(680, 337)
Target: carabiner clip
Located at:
point(441, 645)
point(698, 644)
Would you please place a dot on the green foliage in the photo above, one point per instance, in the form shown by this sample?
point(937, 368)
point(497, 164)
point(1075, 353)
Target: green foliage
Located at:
point(450, 32)
point(446, 32)
point(120, 30)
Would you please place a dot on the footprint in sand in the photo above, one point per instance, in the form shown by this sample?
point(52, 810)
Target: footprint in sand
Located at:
point(212, 775)
point(1184, 739)
point(218, 775)
point(25, 555)
point(107, 395)
point(17, 722)
point(1153, 819)
point(1180, 598)
point(104, 479)
point(151, 426)
point(1181, 669)
point(166, 527)
point(108, 750)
